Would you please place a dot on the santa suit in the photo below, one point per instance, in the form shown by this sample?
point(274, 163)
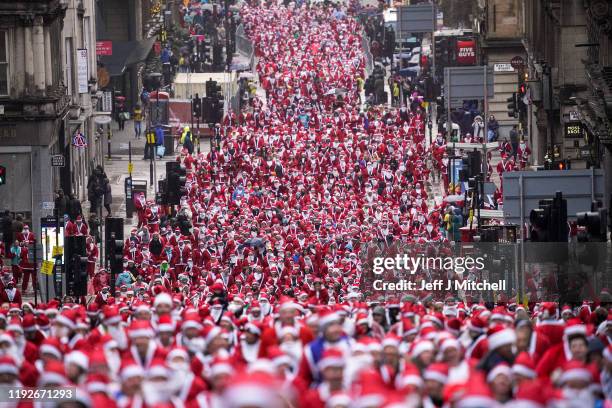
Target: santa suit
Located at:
point(92, 257)
point(271, 335)
point(76, 229)
point(154, 351)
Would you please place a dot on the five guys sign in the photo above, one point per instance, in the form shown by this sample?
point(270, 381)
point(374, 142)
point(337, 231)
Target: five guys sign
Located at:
point(466, 52)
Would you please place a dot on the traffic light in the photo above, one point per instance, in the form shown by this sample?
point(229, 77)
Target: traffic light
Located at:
point(75, 255)
point(594, 225)
point(512, 106)
point(2, 175)
point(176, 178)
point(207, 109)
point(114, 248)
point(558, 165)
point(471, 166)
point(549, 221)
point(197, 106)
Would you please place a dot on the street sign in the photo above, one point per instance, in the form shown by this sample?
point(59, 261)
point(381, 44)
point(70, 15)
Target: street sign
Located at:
point(416, 18)
point(47, 267)
point(574, 130)
point(467, 83)
point(503, 67)
point(48, 205)
point(130, 167)
point(58, 160)
point(517, 62)
point(104, 48)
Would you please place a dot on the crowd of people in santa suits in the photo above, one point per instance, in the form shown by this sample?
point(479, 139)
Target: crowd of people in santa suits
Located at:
point(260, 303)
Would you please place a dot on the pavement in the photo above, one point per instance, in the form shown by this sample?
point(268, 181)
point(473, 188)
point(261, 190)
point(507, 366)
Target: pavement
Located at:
point(116, 168)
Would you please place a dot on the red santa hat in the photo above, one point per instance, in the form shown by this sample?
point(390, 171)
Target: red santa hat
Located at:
point(52, 345)
point(574, 327)
point(141, 328)
point(476, 395)
point(210, 332)
point(67, 318)
point(410, 377)
point(248, 387)
point(53, 374)
point(162, 298)
point(8, 366)
point(278, 357)
point(191, 321)
point(391, 340)
point(78, 358)
point(437, 372)
point(111, 315)
point(421, 346)
point(158, 369)
point(332, 357)
point(499, 369)
point(130, 369)
point(575, 371)
point(221, 365)
point(524, 365)
point(499, 336)
point(165, 324)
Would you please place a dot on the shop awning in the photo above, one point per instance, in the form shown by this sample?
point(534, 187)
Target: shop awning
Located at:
point(125, 54)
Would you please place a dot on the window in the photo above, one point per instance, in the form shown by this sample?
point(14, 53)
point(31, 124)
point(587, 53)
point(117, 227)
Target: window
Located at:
point(4, 68)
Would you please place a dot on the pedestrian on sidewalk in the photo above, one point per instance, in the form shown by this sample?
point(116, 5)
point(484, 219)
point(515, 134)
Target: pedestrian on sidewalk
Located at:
point(514, 140)
point(108, 196)
point(122, 117)
point(138, 121)
point(74, 207)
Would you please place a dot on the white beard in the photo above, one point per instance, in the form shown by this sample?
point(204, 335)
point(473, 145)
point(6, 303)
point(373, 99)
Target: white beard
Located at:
point(250, 352)
point(156, 392)
point(293, 350)
point(265, 309)
point(113, 360)
point(118, 334)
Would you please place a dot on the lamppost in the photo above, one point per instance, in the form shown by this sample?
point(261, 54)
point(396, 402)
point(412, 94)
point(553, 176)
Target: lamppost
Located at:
point(155, 80)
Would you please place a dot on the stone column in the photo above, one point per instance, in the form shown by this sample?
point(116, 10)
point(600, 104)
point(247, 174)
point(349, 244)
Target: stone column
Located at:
point(29, 59)
point(38, 48)
point(48, 65)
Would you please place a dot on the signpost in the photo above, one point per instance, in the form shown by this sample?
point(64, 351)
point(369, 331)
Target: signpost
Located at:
point(503, 67)
point(58, 160)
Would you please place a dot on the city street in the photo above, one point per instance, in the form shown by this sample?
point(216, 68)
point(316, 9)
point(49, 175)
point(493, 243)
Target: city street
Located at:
point(396, 204)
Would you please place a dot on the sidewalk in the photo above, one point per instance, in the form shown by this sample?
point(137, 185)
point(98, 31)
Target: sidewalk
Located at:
point(117, 169)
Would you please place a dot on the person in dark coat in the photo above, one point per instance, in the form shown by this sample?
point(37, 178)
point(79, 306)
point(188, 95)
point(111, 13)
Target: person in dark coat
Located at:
point(108, 196)
point(61, 202)
point(6, 225)
point(74, 207)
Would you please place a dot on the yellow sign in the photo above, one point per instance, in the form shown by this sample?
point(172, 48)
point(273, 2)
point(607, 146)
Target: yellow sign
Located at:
point(57, 251)
point(47, 267)
point(130, 167)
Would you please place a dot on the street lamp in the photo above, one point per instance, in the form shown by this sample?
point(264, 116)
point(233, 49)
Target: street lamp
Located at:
point(155, 80)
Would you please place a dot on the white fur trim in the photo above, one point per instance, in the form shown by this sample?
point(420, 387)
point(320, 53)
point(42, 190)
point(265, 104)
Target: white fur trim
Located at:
point(575, 374)
point(78, 358)
point(221, 368)
point(525, 371)
point(191, 324)
point(330, 362)
point(435, 376)
point(575, 329)
point(65, 321)
point(411, 379)
point(141, 333)
point(422, 346)
point(132, 371)
point(476, 401)
point(501, 338)
point(166, 327)
point(112, 320)
point(49, 349)
point(157, 371)
point(497, 370)
point(51, 378)
point(162, 298)
point(214, 332)
point(8, 369)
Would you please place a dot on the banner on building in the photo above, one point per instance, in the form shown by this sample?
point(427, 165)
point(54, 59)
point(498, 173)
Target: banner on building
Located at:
point(82, 70)
point(466, 52)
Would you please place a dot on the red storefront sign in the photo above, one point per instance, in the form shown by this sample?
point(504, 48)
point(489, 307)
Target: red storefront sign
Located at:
point(466, 52)
point(104, 48)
